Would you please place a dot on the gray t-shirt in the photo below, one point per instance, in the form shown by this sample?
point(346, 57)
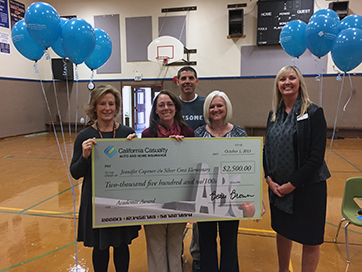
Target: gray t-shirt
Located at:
point(192, 111)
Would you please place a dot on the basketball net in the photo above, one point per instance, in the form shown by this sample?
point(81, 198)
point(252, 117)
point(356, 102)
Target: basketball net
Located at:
point(163, 60)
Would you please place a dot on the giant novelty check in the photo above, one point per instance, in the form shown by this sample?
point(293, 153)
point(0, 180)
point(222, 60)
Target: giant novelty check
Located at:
point(150, 181)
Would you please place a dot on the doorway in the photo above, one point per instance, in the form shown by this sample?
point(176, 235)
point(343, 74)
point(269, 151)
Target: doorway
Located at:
point(137, 104)
point(140, 108)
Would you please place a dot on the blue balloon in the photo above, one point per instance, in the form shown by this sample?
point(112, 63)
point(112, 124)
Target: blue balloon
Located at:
point(327, 12)
point(24, 43)
point(102, 51)
point(43, 23)
point(78, 40)
point(351, 21)
point(320, 35)
point(57, 47)
point(292, 38)
point(346, 52)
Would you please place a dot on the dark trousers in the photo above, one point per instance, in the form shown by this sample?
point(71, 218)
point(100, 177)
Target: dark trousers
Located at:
point(120, 258)
point(228, 232)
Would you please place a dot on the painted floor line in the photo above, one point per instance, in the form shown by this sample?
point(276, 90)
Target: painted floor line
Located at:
point(189, 225)
point(290, 266)
point(32, 211)
point(36, 134)
point(32, 158)
point(331, 150)
point(41, 202)
point(257, 230)
point(342, 228)
point(268, 231)
point(36, 258)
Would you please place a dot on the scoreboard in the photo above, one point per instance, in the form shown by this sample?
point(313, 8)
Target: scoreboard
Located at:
point(273, 15)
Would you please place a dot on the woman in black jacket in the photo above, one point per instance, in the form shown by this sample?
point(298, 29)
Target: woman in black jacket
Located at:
point(295, 170)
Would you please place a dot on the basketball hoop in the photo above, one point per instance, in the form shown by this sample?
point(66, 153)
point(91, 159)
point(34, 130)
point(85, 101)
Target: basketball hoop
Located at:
point(163, 60)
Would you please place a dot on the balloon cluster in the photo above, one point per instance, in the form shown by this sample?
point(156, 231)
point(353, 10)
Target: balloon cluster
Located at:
point(325, 33)
point(74, 39)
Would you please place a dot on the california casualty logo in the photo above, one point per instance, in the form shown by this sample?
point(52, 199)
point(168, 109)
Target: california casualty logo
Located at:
point(110, 151)
point(111, 219)
point(142, 152)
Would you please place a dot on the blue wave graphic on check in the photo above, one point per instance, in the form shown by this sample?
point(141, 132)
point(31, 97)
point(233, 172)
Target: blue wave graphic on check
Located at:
point(110, 151)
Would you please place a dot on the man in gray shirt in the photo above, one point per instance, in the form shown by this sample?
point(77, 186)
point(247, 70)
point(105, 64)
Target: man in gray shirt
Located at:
point(192, 112)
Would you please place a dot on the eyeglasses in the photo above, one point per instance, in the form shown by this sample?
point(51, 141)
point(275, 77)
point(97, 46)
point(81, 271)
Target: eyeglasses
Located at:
point(169, 105)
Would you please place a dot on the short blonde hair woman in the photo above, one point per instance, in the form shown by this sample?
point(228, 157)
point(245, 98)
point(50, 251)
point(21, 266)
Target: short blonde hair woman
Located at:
point(210, 97)
point(96, 94)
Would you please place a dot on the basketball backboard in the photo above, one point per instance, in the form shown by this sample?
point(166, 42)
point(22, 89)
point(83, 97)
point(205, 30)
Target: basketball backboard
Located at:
point(165, 49)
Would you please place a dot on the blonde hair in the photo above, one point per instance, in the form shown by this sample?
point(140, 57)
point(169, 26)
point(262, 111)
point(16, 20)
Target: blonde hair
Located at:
point(277, 96)
point(209, 98)
point(96, 94)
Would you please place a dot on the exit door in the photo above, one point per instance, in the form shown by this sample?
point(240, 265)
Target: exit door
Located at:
point(140, 108)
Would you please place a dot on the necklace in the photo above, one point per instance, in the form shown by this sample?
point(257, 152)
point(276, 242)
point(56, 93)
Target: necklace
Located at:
point(219, 132)
point(114, 130)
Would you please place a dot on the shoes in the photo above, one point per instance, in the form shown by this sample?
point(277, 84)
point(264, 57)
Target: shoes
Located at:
point(196, 266)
